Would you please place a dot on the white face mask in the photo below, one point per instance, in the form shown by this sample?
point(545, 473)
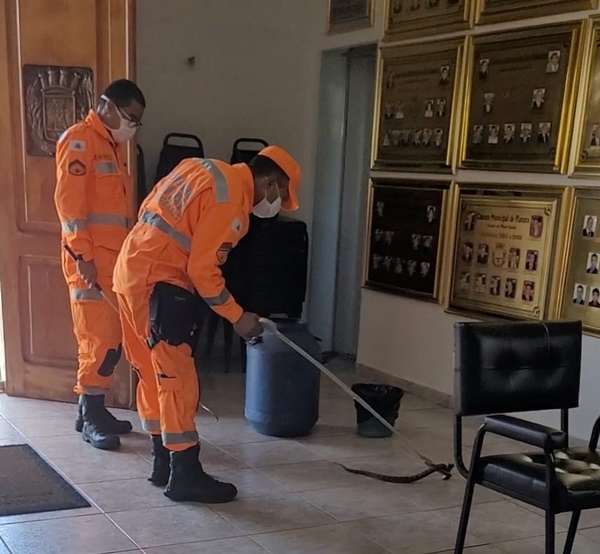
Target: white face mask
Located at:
point(265, 209)
point(124, 133)
point(126, 130)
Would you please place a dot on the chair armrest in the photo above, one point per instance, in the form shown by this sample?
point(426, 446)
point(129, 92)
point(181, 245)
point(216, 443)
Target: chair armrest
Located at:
point(525, 431)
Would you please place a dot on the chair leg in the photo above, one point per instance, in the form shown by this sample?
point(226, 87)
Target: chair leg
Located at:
point(243, 355)
point(464, 515)
point(572, 531)
point(550, 532)
point(228, 342)
point(211, 331)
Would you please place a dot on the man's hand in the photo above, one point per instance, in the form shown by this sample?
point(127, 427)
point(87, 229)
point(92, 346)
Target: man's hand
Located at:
point(88, 272)
point(248, 326)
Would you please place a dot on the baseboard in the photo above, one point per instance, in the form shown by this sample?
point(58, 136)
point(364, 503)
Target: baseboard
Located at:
point(431, 395)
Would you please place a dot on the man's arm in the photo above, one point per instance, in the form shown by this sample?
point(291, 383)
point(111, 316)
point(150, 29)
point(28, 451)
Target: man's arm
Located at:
point(215, 235)
point(73, 167)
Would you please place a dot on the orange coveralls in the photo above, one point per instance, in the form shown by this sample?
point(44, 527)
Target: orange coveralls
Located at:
point(91, 201)
point(186, 228)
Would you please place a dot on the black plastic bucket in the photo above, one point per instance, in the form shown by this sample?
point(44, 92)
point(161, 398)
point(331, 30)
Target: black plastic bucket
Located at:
point(385, 400)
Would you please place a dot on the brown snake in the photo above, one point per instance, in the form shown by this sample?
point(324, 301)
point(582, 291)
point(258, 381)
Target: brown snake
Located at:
point(444, 469)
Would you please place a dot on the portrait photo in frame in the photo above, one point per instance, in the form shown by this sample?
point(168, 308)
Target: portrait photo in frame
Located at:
point(520, 89)
point(503, 262)
point(585, 155)
point(405, 237)
point(580, 295)
point(415, 18)
point(418, 87)
point(495, 11)
point(350, 15)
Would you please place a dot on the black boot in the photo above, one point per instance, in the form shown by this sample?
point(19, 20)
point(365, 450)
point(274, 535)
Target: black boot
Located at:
point(94, 430)
point(161, 463)
point(189, 483)
point(112, 424)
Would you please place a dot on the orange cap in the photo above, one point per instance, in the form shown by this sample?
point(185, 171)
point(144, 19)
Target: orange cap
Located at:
point(290, 168)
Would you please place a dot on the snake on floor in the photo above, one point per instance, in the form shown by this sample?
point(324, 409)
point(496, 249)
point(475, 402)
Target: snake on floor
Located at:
point(444, 469)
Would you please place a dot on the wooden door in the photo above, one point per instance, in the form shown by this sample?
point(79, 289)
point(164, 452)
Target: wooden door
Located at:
point(56, 56)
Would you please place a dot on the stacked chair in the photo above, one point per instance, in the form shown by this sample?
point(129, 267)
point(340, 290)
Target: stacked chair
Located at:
point(267, 271)
point(172, 153)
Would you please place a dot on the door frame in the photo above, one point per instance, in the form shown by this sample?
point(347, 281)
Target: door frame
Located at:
point(111, 64)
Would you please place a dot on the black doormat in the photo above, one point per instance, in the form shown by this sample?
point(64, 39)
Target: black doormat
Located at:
point(29, 485)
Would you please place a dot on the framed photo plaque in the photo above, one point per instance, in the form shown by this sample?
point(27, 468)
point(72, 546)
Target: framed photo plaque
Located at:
point(586, 150)
point(350, 15)
point(418, 88)
point(405, 237)
point(416, 18)
point(581, 294)
point(520, 97)
point(494, 11)
point(504, 252)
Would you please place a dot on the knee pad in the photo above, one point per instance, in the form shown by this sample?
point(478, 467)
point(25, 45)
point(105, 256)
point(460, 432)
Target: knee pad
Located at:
point(111, 359)
point(174, 316)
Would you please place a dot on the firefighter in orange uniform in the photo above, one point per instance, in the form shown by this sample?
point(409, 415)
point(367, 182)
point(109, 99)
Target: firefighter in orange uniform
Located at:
point(90, 198)
point(186, 228)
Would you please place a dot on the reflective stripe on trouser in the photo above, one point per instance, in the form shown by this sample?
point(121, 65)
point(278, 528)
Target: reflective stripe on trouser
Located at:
point(167, 404)
point(98, 333)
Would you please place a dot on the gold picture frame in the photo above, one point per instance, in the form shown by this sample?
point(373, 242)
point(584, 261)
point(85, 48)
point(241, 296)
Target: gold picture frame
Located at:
point(405, 237)
point(585, 153)
point(407, 19)
point(419, 92)
point(580, 290)
point(505, 243)
point(350, 15)
point(496, 11)
point(520, 93)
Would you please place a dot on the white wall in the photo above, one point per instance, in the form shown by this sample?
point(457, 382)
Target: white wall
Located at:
point(256, 74)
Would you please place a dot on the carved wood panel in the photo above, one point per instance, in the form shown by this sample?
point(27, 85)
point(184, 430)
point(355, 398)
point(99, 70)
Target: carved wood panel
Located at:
point(55, 97)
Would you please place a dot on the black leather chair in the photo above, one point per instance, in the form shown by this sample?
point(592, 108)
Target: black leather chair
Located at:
point(524, 367)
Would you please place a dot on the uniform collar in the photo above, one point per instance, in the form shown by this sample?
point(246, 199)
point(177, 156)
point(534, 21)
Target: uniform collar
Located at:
point(94, 121)
point(246, 175)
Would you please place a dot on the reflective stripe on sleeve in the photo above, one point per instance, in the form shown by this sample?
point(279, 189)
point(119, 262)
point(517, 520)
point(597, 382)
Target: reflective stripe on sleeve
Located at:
point(156, 221)
point(72, 226)
point(221, 187)
point(107, 219)
point(216, 301)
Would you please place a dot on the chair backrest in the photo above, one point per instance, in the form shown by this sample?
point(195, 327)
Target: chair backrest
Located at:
point(246, 155)
point(516, 367)
point(171, 154)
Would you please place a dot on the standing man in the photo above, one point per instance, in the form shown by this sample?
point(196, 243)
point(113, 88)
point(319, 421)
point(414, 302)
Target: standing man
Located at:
point(91, 201)
point(187, 226)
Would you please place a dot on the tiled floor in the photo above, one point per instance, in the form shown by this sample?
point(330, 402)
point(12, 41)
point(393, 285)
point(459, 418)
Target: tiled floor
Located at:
point(294, 498)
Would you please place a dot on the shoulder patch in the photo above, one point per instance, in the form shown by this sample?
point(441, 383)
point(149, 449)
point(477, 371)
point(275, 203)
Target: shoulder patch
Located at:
point(77, 168)
point(77, 145)
point(223, 252)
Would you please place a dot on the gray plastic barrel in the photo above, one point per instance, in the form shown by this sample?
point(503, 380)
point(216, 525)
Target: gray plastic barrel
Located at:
point(282, 388)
